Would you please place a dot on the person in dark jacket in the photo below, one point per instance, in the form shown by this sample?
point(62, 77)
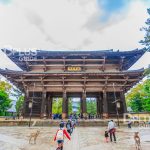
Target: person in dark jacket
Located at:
point(69, 127)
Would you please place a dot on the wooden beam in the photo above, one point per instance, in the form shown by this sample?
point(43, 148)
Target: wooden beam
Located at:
point(64, 63)
point(79, 74)
point(126, 80)
point(61, 60)
point(104, 61)
point(45, 65)
point(80, 80)
point(79, 85)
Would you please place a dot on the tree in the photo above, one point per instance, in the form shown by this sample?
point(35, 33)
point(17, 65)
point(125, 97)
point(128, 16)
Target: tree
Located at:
point(147, 72)
point(146, 40)
point(19, 104)
point(136, 103)
point(57, 106)
point(70, 108)
point(5, 102)
point(139, 97)
point(91, 106)
point(5, 86)
point(146, 95)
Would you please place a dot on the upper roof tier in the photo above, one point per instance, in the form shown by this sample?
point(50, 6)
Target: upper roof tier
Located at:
point(127, 58)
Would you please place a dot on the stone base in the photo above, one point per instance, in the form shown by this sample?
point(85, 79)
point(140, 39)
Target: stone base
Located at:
point(43, 116)
point(85, 115)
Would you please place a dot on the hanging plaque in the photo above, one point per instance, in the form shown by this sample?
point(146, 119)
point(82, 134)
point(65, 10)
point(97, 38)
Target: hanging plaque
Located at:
point(73, 68)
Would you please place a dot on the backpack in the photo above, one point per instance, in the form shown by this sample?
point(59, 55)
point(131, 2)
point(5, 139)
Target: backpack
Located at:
point(60, 135)
point(68, 126)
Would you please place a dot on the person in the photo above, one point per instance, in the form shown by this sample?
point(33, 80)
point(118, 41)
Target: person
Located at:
point(106, 136)
point(73, 123)
point(61, 132)
point(62, 122)
point(129, 124)
point(69, 127)
point(112, 130)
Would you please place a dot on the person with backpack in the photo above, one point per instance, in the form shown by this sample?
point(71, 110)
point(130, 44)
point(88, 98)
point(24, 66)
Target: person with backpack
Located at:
point(112, 130)
point(69, 127)
point(61, 132)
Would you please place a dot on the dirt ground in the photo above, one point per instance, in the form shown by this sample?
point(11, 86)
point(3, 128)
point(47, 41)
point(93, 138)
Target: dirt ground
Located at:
point(89, 138)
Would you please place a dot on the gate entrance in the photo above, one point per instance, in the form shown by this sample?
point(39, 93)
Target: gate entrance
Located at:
point(57, 107)
point(74, 105)
point(91, 105)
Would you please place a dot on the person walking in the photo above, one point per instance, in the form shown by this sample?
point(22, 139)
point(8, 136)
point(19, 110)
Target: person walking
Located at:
point(112, 130)
point(129, 124)
point(59, 136)
point(69, 127)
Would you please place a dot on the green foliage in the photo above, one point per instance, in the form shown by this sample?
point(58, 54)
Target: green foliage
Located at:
point(78, 106)
point(70, 109)
point(19, 104)
point(139, 97)
point(5, 102)
point(5, 86)
point(91, 106)
point(57, 106)
point(146, 95)
point(146, 40)
point(147, 72)
point(136, 103)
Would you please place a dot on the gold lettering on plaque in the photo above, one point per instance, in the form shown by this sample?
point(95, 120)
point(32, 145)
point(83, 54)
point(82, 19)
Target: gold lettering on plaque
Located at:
point(74, 68)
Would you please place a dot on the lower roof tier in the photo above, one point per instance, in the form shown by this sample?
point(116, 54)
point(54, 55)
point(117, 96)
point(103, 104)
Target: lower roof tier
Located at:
point(73, 81)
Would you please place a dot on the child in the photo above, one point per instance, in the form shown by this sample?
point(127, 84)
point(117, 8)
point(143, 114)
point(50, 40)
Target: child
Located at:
point(60, 136)
point(106, 136)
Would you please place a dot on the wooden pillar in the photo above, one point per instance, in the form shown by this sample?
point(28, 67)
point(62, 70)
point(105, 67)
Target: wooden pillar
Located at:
point(43, 106)
point(122, 97)
point(99, 106)
point(49, 106)
point(105, 105)
point(83, 105)
point(64, 106)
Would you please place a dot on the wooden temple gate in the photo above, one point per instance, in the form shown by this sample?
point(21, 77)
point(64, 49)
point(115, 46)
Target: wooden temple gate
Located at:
point(67, 73)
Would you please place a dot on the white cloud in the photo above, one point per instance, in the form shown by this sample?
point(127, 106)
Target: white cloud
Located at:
point(54, 24)
point(69, 24)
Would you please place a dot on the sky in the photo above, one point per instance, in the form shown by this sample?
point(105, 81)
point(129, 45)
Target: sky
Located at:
point(72, 25)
